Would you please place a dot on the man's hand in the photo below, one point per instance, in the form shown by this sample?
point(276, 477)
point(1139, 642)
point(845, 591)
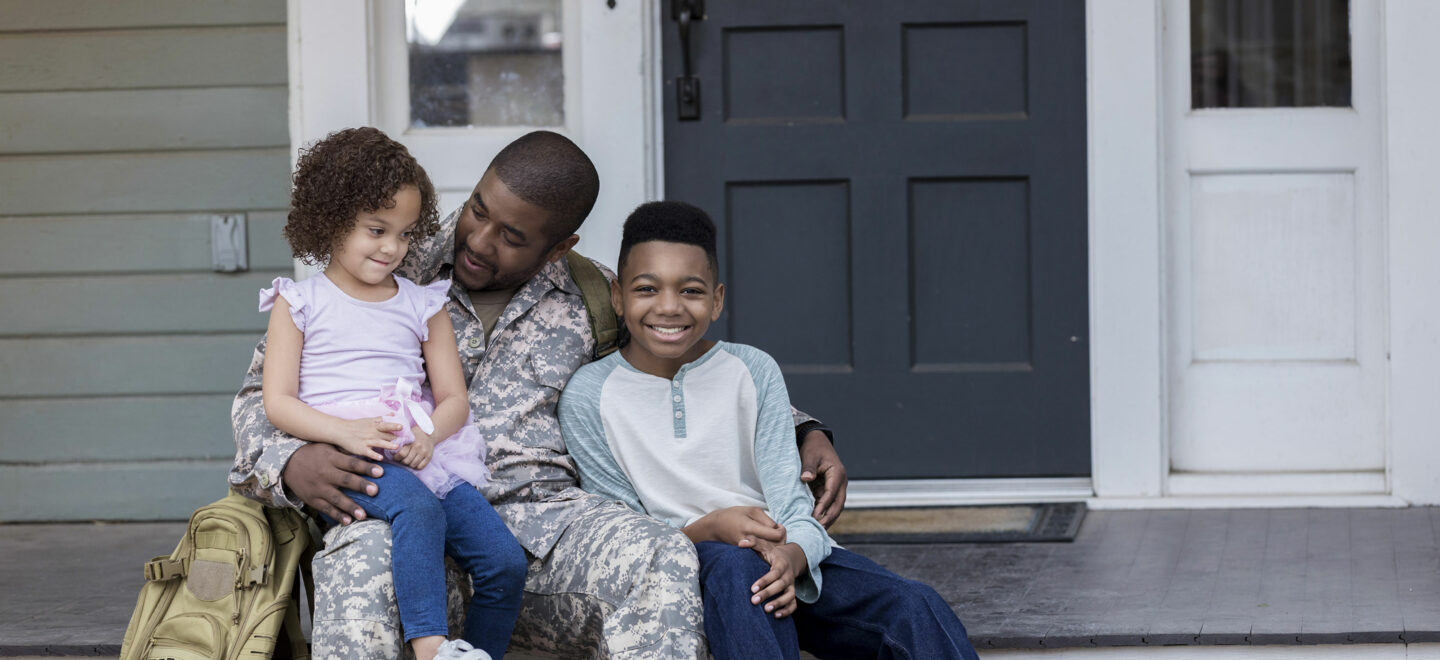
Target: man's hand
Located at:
point(416, 455)
point(316, 473)
point(777, 587)
point(364, 437)
point(821, 468)
point(737, 525)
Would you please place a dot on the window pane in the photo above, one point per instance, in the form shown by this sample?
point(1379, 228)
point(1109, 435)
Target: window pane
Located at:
point(1269, 53)
point(485, 63)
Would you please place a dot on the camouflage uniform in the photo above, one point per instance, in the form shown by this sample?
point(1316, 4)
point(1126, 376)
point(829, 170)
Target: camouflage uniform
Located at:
point(604, 581)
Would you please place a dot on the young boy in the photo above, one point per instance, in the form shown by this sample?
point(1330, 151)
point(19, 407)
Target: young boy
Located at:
point(698, 434)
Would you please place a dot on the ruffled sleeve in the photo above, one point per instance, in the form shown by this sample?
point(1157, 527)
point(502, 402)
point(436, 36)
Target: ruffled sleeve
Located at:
point(432, 299)
point(288, 289)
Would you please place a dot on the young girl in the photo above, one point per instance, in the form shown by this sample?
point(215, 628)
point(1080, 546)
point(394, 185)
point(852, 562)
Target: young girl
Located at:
point(349, 355)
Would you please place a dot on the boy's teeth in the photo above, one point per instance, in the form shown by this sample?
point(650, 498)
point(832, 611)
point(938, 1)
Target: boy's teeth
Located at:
point(666, 331)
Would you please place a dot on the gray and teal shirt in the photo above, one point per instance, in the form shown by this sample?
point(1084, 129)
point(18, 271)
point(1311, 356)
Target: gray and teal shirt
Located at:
point(719, 434)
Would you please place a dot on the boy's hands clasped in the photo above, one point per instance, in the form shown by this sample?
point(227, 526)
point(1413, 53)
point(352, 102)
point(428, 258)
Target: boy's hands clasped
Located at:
point(737, 525)
point(751, 527)
point(776, 589)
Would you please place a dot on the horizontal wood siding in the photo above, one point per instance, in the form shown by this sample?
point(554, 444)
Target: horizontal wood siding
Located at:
point(237, 179)
point(144, 120)
point(135, 428)
point(154, 490)
point(152, 242)
point(134, 59)
point(124, 126)
point(85, 305)
point(127, 364)
point(32, 16)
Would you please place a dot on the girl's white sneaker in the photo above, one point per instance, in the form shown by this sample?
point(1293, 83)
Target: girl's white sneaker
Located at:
point(459, 649)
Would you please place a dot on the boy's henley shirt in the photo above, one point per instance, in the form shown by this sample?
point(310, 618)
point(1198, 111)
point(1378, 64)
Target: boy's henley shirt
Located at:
point(719, 434)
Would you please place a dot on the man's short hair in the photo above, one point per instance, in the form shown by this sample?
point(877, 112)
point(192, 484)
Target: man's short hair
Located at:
point(672, 222)
point(548, 170)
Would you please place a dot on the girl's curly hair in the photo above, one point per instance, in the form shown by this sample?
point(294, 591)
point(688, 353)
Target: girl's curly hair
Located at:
point(349, 172)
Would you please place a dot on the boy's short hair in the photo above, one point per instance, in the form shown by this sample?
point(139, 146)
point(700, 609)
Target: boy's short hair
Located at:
point(548, 170)
point(347, 173)
point(672, 222)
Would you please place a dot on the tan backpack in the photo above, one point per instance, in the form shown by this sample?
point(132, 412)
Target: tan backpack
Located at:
point(595, 291)
point(228, 590)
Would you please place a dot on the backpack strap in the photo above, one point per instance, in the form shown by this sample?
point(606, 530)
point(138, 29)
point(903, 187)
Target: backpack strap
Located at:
point(595, 290)
point(292, 644)
point(307, 561)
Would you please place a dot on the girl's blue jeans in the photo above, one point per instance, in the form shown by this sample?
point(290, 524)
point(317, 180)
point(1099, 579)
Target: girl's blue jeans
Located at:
point(864, 611)
point(423, 529)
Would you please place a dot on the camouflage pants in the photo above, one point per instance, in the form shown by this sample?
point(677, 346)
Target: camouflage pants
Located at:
point(617, 584)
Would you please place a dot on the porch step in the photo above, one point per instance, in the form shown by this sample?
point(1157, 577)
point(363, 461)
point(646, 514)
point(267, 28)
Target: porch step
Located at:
point(1130, 579)
point(1197, 577)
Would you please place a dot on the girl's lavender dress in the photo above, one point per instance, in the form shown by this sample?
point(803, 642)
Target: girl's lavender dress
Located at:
point(362, 359)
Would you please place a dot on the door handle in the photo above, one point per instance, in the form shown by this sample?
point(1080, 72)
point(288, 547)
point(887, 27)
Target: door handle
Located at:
point(687, 86)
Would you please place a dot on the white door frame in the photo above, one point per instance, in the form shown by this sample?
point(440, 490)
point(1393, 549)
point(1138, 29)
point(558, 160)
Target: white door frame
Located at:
point(336, 79)
point(1127, 287)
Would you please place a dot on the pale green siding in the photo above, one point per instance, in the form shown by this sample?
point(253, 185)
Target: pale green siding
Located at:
point(123, 125)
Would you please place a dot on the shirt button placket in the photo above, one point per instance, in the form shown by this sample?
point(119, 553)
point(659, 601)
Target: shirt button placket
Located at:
point(678, 403)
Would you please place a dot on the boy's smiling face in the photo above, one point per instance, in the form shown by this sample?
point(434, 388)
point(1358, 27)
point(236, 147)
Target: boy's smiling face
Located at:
point(667, 295)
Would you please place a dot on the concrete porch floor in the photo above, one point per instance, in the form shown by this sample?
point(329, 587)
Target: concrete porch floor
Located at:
point(1131, 579)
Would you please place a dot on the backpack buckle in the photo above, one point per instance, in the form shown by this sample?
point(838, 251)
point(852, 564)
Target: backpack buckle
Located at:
point(164, 568)
point(607, 341)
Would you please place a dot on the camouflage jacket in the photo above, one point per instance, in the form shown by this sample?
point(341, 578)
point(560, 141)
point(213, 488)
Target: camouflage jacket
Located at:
point(541, 338)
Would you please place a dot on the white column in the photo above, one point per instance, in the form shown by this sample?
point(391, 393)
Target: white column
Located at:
point(1126, 353)
point(1412, 92)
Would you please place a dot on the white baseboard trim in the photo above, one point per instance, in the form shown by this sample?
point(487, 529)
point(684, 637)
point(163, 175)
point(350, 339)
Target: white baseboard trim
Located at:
point(1320, 652)
point(1227, 484)
point(876, 493)
point(880, 493)
point(1248, 502)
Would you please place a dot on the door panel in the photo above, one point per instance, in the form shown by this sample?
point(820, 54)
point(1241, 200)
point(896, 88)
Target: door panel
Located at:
point(1275, 260)
point(900, 192)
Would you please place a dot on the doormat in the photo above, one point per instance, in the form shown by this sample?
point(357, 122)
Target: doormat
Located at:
point(1004, 523)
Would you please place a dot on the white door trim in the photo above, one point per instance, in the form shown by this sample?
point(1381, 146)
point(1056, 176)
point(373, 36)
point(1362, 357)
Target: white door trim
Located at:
point(335, 80)
point(1413, 164)
point(1128, 429)
point(1127, 367)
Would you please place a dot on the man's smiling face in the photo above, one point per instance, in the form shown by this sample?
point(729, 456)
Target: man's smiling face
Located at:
point(501, 240)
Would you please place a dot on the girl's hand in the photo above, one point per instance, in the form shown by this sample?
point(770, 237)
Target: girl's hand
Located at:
point(416, 455)
point(364, 437)
point(777, 588)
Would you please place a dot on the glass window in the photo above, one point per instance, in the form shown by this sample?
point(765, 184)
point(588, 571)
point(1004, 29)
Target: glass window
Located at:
point(1269, 53)
point(485, 63)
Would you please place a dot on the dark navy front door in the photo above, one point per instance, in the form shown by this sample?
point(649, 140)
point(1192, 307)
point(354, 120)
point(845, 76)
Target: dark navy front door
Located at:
point(900, 189)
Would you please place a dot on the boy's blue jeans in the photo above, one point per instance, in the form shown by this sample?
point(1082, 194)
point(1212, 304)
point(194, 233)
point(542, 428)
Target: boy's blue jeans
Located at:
point(423, 529)
point(864, 611)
